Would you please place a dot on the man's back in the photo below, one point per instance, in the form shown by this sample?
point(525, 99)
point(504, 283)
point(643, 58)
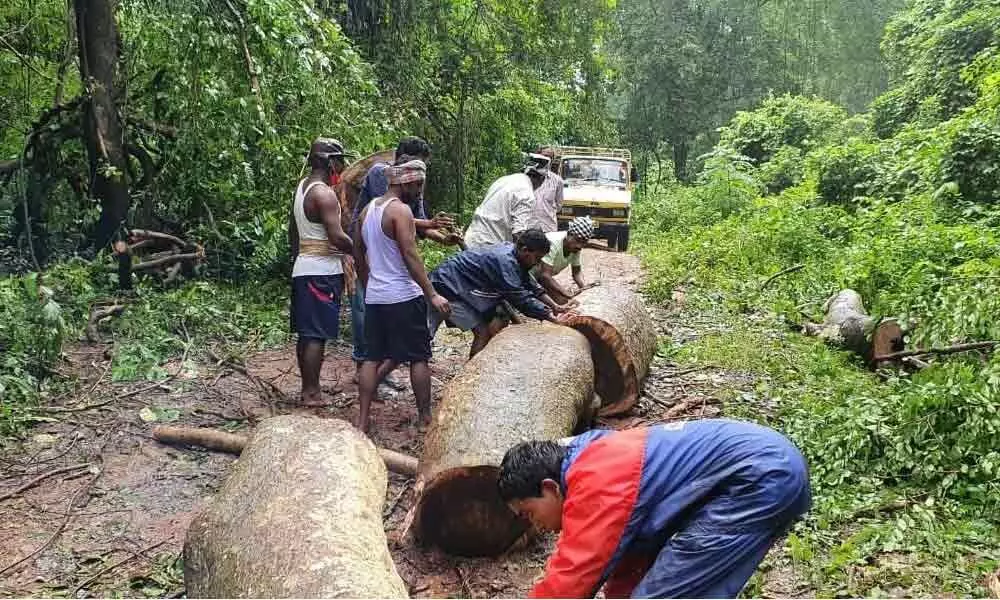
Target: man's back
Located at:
point(507, 209)
point(483, 276)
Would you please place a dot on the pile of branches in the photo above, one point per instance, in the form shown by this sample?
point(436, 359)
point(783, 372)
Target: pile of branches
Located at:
point(160, 254)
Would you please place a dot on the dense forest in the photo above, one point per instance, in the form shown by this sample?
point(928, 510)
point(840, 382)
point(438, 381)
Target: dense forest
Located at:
point(836, 144)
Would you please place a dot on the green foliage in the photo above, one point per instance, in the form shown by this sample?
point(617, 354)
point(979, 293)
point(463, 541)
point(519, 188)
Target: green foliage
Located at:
point(845, 173)
point(802, 123)
point(972, 161)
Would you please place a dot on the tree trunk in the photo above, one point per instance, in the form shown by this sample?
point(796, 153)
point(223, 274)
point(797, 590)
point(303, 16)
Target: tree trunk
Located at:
point(848, 325)
point(103, 129)
point(680, 160)
point(300, 516)
point(622, 340)
point(510, 392)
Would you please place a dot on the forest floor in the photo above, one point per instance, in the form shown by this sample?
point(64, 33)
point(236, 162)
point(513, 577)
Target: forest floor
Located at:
point(110, 514)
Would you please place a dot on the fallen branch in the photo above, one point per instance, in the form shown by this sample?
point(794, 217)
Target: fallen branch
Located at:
point(96, 316)
point(265, 385)
point(141, 235)
point(939, 351)
point(680, 408)
point(16, 565)
point(41, 478)
point(213, 439)
point(772, 278)
point(168, 260)
point(110, 568)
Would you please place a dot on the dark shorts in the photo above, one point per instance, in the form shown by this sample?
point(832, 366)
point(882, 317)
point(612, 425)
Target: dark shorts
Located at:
point(398, 331)
point(315, 310)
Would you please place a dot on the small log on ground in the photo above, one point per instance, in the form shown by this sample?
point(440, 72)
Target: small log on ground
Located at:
point(213, 439)
point(848, 325)
point(300, 516)
point(531, 382)
point(622, 340)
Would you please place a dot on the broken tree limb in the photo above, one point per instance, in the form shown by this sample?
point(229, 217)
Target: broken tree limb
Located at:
point(848, 325)
point(168, 260)
point(221, 441)
point(140, 235)
point(97, 315)
point(938, 351)
point(508, 393)
point(781, 273)
point(622, 341)
point(300, 516)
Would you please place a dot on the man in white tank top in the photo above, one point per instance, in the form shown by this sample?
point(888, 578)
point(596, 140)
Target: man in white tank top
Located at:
point(318, 245)
point(397, 291)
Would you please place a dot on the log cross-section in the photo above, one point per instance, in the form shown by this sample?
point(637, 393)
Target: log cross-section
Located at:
point(530, 382)
point(622, 340)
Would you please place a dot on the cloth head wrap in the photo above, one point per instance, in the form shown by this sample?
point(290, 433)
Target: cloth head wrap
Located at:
point(582, 228)
point(408, 172)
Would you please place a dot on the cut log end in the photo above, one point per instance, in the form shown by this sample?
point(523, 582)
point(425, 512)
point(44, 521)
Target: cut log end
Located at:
point(465, 499)
point(887, 338)
point(615, 379)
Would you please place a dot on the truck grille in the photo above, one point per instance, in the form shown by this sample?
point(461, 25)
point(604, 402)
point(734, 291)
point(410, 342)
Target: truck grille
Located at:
point(594, 212)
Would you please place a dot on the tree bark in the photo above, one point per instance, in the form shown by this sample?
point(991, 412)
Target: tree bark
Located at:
point(848, 325)
point(622, 341)
point(680, 160)
point(300, 516)
point(97, 32)
point(509, 393)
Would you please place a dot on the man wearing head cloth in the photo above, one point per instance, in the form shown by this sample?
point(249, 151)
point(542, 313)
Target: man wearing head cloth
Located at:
point(565, 252)
point(375, 185)
point(549, 196)
point(318, 244)
point(508, 209)
point(397, 291)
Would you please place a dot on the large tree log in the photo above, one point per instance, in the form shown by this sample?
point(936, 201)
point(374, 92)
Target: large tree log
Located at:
point(848, 325)
point(530, 382)
point(300, 516)
point(213, 439)
point(622, 340)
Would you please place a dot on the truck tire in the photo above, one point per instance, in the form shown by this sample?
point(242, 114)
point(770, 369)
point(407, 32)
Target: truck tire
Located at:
point(622, 242)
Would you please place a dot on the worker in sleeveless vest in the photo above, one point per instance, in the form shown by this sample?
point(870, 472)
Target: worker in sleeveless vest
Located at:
point(397, 290)
point(319, 246)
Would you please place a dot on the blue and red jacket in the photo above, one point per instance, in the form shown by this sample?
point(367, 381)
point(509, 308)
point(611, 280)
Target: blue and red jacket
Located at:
point(627, 492)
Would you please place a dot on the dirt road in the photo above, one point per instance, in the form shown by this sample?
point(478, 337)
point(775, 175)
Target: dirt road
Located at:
point(110, 516)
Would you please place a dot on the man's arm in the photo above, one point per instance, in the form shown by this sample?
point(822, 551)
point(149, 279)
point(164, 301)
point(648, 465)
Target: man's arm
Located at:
point(405, 232)
point(602, 490)
point(547, 279)
point(293, 235)
point(329, 210)
point(523, 295)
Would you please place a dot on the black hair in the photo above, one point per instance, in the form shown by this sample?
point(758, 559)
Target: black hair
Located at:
point(413, 146)
point(526, 466)
point(533, 240)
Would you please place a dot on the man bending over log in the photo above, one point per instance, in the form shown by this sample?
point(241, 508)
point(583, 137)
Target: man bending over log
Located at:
point(565, 252)
point(397, 291)
point(681, 510)
point(476, 281)
point(318, 245)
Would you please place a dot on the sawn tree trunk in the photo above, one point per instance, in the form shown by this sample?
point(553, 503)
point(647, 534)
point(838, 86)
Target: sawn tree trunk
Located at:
point(622, 340)
point(300, 516)
point(531, 382)
point(848, 325)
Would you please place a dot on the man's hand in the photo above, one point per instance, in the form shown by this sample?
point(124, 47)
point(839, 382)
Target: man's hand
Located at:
point(592, 284)
point(440, 304)
point(453, 239)
point(563, 319)
point(560, 309)
point(442, 221)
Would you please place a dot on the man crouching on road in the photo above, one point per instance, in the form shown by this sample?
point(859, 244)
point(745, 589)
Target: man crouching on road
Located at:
point(565, 252)
point(318, 245)
point(398, 294)
point(682, 510)
point(477, 280)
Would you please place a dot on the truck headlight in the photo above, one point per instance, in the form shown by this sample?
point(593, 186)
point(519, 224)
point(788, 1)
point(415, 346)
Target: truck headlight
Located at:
point(619, 212)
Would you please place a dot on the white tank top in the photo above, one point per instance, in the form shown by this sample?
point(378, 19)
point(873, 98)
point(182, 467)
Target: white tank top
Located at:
point(388, 280)
point(308, 264)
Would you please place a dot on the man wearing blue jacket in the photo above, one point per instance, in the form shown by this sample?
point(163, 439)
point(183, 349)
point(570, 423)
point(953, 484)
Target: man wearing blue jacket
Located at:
point(681, 510)
point(477, 280)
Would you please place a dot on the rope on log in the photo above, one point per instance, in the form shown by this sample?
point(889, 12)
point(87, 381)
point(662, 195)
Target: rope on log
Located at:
point(622, 340)
point(220, 441)
point(508, 393)
point(300, 516)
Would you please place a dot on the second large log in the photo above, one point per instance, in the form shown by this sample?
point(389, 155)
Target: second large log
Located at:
point(300, 516)
point(530, 382)
point(622, 340)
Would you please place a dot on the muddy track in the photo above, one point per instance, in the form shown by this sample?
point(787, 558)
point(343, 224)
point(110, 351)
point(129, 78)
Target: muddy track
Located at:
point(114, 522)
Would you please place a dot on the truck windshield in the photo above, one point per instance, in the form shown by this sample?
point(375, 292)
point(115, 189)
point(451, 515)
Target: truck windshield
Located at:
point(595, 170)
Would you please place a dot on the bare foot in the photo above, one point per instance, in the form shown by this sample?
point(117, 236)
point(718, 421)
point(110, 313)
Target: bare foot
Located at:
point(313, 399)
